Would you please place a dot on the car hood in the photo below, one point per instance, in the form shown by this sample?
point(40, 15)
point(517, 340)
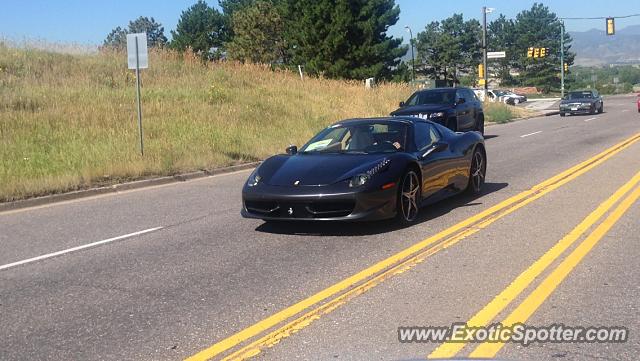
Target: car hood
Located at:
point(580, 100)
point(417, 109)
point(315, 169)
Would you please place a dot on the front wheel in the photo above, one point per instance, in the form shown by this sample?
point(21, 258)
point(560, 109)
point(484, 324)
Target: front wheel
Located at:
point(408, 198)
point(562, 114)
point(477, 172)
point(601, 109)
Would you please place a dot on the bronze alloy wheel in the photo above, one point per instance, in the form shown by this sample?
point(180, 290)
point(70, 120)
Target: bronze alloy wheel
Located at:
point(478, 172)
point(409, 197)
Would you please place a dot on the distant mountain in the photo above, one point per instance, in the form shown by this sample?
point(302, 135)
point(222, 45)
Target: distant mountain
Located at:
point(594, 47)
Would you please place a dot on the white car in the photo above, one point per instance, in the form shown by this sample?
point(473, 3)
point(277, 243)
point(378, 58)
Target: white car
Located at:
point(504, 96)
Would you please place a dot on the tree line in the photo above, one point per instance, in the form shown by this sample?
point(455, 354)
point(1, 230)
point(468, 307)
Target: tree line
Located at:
point(333, 38)
point(348, 39)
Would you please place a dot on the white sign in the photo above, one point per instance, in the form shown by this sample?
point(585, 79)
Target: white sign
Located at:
point(496, 54)
point(137, 54)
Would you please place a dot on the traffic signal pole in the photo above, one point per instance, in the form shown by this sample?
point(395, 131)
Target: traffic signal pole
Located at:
point(562, 59)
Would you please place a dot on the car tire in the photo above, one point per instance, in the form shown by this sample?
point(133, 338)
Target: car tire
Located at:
point(601, 109)
point(477, 172)
point(592, 110)
point(562, 114)
point(409, 197)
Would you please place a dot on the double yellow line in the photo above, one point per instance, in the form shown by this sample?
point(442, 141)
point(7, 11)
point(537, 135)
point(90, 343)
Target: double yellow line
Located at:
point(332, 297)
point(531, 303)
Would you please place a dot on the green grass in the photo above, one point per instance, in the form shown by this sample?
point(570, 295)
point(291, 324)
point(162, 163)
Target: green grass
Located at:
point(69, 121)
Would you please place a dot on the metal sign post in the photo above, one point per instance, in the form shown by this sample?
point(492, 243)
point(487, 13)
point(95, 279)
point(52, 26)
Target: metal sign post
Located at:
point(138, 59)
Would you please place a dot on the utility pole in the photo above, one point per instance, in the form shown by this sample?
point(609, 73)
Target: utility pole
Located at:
point(562, 59)
point(413, 60)
point(485, 10)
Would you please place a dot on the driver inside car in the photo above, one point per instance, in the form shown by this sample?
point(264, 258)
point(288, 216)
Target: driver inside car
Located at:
point(361, 138)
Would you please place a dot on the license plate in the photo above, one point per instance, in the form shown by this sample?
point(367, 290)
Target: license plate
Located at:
point(574, 108)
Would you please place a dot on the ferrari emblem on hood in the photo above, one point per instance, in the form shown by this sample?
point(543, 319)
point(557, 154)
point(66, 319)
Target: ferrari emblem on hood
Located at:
point(296, 183)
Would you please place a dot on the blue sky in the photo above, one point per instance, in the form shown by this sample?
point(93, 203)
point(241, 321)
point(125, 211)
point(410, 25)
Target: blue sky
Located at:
point(88, 22)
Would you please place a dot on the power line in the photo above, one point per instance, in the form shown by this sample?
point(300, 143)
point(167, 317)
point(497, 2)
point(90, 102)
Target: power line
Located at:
point(602, 17)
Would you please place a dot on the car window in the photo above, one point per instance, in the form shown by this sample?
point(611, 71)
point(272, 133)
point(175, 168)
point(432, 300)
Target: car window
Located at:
point(581, 95)
point(425, 135)
point(470, 95)
point(379, 137)
point(445, 97)
point(460, 94)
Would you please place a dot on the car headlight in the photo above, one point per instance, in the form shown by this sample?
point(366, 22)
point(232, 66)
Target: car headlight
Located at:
point(359, 180)
point(436, 115)
point(254, 179)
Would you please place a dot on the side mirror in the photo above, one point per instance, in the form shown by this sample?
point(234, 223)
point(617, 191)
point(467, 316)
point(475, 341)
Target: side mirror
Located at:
point(460, 101)
point(402, 103)
point(291, 150)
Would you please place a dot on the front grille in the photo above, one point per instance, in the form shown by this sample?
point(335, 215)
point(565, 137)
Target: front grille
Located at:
point(261, 207)
point(313, 209)
point(331, 209)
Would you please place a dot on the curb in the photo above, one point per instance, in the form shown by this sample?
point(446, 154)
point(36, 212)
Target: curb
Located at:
point(143, 183)
point(538, 115)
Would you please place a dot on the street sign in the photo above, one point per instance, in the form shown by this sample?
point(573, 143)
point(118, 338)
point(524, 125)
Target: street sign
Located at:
point(138, 58)
point(137, 49)
point(496, 54)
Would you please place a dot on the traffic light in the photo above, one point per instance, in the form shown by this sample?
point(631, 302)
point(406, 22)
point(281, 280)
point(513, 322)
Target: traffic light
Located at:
point(566, 67)
point(481, 71)
point(537, 52)
point(611, 26)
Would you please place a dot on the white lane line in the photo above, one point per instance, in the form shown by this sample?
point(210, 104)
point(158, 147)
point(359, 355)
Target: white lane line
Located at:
point(69, 250)
point(586, 120)
point(625, 110)
point(534, 133)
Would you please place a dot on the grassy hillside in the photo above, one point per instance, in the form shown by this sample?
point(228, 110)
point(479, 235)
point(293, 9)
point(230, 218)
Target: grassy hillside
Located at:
point(69, 121)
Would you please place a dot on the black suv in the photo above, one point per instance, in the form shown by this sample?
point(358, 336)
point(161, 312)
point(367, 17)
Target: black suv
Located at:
point(456, 108)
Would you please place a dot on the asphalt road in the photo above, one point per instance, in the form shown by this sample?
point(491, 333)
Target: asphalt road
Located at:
point(190, 273)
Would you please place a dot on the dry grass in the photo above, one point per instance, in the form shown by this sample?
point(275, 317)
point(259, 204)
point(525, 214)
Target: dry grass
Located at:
point(69, 121)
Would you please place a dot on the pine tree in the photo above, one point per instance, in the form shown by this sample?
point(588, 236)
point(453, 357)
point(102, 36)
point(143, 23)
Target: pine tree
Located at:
point(344, 38)
point(449, 49)
point(117, 38)
point(258, 34)
point(539, 27)
point(200, 28)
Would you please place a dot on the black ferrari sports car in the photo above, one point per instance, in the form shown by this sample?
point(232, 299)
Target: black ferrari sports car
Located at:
point(366, 169)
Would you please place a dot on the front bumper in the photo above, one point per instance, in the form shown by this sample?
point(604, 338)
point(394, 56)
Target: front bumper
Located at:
point(577, 109)
point(317, 203)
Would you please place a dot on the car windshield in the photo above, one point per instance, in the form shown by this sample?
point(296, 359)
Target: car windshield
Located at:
point(382, 137)
point(579, 95)
point(499, 92)
point(440, 97)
